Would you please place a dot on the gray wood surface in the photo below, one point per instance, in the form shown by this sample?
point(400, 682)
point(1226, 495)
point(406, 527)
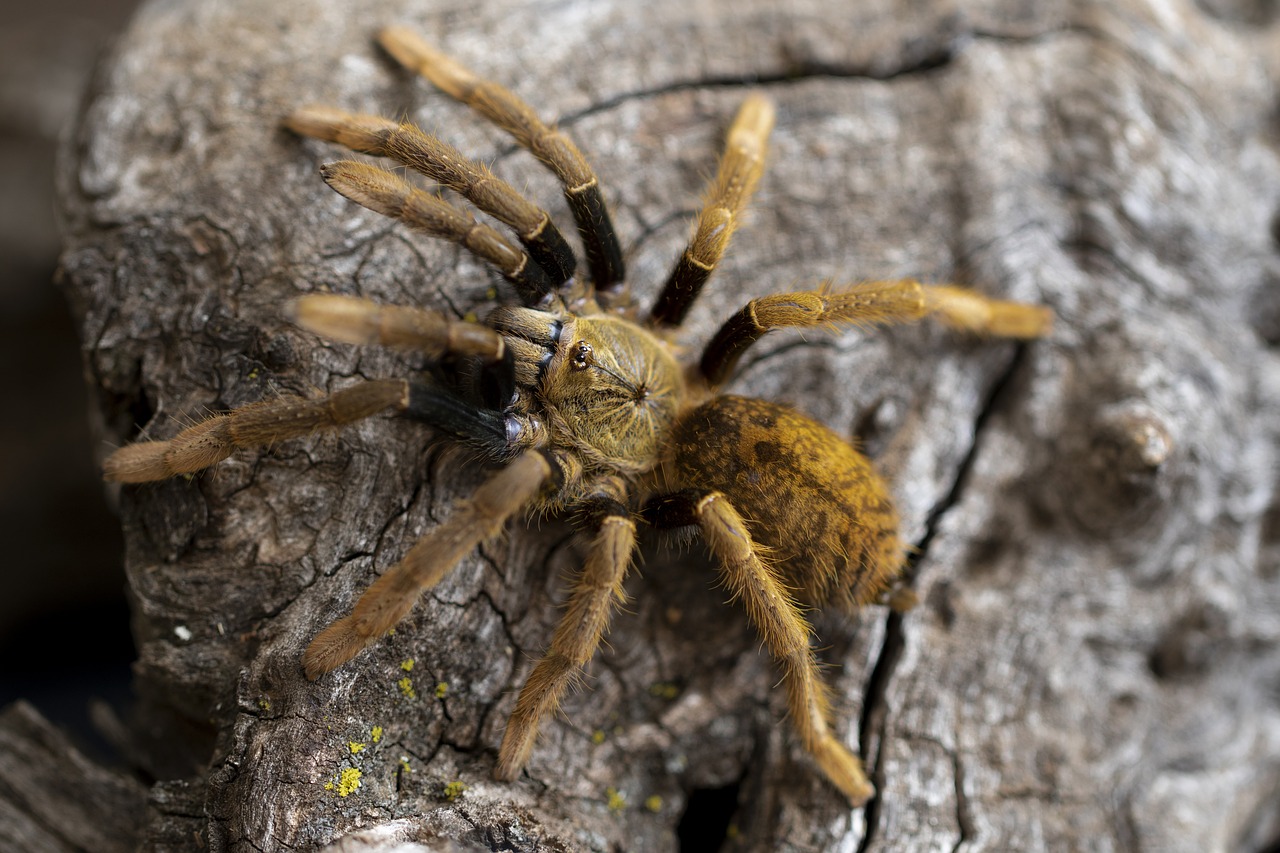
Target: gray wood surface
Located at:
point(1094, 662)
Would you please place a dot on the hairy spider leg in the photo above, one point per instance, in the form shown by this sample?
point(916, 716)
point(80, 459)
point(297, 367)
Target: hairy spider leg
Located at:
point(555, 150)
point(262, 423)
point(864, 304)
point(778, 619)
point(430, 156)
point(350, 320)
point(394, 594)
point(361, 321)
point(495, 435)
point(353, 320)
point(726, 198)
point(597, 590)
point(393, 196)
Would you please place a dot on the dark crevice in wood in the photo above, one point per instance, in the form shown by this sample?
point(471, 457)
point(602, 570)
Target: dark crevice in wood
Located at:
point(801, 71)
point(707, 816)
point(875, 712)
point(964, 816)
point(933, 521)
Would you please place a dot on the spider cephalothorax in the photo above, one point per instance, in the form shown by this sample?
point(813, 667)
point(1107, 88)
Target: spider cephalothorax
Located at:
point(591, 413)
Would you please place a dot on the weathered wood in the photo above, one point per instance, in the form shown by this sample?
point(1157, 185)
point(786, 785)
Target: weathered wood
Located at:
point(54, 798)
point(1094, 663)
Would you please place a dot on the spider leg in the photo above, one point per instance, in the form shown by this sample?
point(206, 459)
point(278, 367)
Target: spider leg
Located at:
point(556, 151)
point(864, 304)
point(353, 320)
point(727, 196)
point(361, 321)
point(441, 162)
point(350, 320)
point(597, 591)
point(391, 195)
point(776, 616)
point(497, 435)
point(394, 594)
point(261, 423)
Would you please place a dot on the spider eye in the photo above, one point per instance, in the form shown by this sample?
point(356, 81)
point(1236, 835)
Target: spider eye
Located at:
point(583, 356)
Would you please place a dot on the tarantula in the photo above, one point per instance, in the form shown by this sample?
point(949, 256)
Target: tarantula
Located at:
point(590, 413)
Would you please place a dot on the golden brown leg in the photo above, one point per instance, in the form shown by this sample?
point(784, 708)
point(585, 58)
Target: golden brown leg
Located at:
point(256, 424)
point(727, 197)
point(361, 321)
point(439, 161)
point(597, 591)
point(786, 633)
point(393, 595)
point(553, 148)
point(865, 304)
point(391, 195)
point(973, 312)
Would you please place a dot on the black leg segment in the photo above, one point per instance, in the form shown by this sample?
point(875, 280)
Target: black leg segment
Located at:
point(592, 513)
point(599, 240)
point(673, 509)
point(681, 290)
point(737, 334)
point(480, 428)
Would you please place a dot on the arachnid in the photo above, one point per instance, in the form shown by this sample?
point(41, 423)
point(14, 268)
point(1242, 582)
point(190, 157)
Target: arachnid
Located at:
point(589, 412)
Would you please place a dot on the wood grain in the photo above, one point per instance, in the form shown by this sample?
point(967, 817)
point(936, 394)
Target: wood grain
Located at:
point(1094, 664)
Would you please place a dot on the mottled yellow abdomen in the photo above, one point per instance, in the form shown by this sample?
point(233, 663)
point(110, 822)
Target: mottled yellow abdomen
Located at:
point(812, 500)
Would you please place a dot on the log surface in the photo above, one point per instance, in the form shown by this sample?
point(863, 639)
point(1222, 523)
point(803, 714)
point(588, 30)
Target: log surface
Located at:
point(1094, 661)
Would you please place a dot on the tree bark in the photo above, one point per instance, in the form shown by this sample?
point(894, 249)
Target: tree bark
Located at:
point(1094, 661)
point(53, 797)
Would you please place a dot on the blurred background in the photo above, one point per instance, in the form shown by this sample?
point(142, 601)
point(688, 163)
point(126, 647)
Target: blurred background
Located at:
point(64, 626)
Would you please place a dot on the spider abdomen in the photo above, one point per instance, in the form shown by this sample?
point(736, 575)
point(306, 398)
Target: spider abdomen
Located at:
point(815, 504)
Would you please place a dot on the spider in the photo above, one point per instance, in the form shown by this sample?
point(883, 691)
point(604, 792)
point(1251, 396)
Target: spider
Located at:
point(588, 412)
